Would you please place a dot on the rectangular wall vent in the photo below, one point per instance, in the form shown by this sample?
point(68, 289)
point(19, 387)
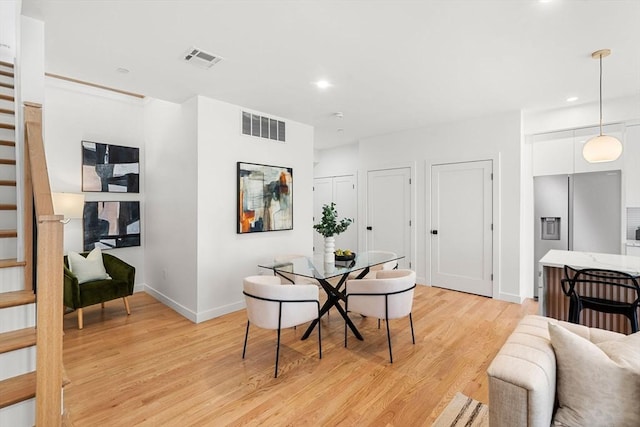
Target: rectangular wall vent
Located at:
point(263, 127)
point(200, 58)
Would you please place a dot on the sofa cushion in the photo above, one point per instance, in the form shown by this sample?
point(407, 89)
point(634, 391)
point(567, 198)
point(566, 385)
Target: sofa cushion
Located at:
point(89, 268)
point(598, 383)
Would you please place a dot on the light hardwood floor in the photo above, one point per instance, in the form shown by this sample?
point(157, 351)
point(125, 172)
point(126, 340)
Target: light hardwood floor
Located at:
point(156, 368)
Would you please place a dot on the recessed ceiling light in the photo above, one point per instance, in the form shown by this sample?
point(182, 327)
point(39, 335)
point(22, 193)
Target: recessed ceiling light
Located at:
point(323, 84)
point(122, 70)
point(572, 99)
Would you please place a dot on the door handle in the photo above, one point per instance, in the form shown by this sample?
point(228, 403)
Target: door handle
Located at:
point(369, 228)
point(434, 231)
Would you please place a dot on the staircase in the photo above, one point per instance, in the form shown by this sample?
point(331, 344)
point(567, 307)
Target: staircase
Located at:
point(27, 399)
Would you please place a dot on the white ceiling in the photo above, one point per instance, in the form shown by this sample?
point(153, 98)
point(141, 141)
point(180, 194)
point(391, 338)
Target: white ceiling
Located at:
point(393, 64)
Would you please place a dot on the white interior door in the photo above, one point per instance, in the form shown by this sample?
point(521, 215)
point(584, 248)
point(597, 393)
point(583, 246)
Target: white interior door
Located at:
point(461, 232)
point(342, 191)
point(345, 197)
point(322, 195)
point(389, 212)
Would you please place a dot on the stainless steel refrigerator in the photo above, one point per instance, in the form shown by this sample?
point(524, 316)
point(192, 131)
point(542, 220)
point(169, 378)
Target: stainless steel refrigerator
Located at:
point(579, 212)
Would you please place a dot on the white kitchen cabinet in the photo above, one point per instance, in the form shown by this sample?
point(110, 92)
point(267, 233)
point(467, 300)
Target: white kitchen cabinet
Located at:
point(633, 250)
point(631, 156)
point(553, 157)
point(561, 152)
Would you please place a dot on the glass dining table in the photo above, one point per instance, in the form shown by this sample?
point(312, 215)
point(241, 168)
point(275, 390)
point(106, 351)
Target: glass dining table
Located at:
point(316, 268)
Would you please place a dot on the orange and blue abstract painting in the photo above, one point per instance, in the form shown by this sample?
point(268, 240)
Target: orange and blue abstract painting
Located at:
point(265, 198)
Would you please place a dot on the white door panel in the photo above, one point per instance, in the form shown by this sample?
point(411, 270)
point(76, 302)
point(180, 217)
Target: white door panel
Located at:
point(461, 251)
point(389, 212)
point(342, 191)
point(322, 195)
point(346, 200)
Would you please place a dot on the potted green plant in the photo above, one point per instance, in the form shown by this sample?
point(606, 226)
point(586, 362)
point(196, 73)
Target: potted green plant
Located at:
point(329, 227)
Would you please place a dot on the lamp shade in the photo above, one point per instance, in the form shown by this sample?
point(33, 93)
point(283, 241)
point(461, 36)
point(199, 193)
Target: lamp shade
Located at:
point(602, 148)
point(68, 204)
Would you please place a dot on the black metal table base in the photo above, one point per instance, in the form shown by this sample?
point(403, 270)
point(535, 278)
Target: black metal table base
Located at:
point(334, 297)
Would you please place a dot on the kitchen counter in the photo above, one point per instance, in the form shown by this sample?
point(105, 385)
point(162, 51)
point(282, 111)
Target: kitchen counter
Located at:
point(554, 303)
point(626, 263)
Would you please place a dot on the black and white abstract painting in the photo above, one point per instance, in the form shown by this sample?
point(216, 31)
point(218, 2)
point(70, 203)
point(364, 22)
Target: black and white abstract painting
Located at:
point(110, 168)
point(109, 225)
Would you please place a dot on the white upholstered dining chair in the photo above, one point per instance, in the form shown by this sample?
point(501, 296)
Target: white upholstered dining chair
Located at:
point(387, 296)
point(271, 305)
point(390, 265)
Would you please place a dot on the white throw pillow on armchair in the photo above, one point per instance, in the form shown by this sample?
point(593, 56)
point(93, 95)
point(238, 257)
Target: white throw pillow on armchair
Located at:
point(597, 384)
point(89, 268)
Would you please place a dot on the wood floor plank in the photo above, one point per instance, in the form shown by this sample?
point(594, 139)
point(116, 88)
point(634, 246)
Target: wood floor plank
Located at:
point(154, 367)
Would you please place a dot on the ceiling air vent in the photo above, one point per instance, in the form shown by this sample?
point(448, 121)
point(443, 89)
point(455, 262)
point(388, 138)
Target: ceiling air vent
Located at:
point(201, 58)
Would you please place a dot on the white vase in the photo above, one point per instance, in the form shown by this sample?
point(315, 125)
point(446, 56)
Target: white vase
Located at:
point(329, 249)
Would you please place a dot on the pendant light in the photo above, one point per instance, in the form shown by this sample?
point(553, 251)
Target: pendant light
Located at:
point(602, 148)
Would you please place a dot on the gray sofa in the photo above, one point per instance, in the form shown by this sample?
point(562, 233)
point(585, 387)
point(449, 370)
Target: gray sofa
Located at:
point(522, 376)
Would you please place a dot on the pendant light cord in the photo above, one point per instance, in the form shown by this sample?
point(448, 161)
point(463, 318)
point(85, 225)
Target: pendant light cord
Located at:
point(600, 94)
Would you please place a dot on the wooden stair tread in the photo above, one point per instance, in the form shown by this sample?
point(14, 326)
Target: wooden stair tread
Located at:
point(16, 298)
point(17, 389)
point(7, 85)
point(4, 234)
point(6, 64)
point(7, 183)
point(6, 73)
point(6, 97)
point(7, 111)
point(11, 262)
point(7, 126)
point(8, 207)
point(7, 162)
point(7, 143)
point(15, 340)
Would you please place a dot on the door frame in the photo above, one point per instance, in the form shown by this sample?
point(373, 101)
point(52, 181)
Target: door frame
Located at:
point(364, 203)
point(496, 218)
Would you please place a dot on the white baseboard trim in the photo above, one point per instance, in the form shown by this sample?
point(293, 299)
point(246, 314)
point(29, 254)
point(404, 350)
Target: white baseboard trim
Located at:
point(510, 298)
point(181, 309)
point(422, 281)
point(139, 287)
point(220, 311)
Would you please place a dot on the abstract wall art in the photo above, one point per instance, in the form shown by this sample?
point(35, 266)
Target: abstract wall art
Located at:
point(110, 168)
point(109, 225)
point(265, 198)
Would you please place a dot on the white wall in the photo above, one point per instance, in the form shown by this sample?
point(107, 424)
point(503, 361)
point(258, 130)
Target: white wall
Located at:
point(342, 160)
point(31, 60)
point(171, 204)
point(73, 113)
point(8, 30)
point(496, 137)
point(225, 257)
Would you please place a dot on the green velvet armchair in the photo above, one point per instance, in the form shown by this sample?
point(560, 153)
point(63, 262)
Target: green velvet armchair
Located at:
point(77, 296)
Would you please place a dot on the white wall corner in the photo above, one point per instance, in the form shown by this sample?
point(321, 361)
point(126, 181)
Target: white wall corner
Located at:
point(219, 311)
point(179, 308)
